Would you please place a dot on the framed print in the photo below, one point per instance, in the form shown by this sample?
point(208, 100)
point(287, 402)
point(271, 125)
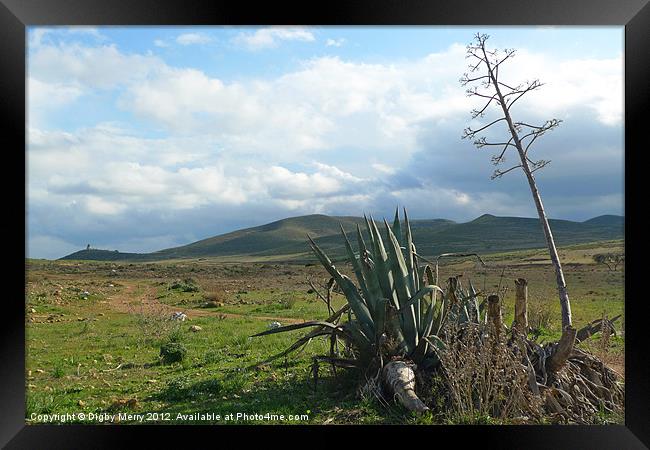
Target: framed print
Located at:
point(368, 214)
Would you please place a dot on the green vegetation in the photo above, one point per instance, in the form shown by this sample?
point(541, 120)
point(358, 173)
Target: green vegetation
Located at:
point(172, 352)
point(404, 330)
point(106, 349)
point(398, 316)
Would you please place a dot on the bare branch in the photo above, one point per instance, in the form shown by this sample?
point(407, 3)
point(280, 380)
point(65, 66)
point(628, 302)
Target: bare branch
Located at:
point(528, 125)
point(518, 88)
point(469, 133)
point(474, 91)
point(509, 53)
point(531, 142)
point(539, 165)
point(500, 158)
point(531, 87)
point(465, 79)
point(482, 142)
point(540, 131)
point(470, 53)
point(479, 113)
point(499, 173)
point(525, 136)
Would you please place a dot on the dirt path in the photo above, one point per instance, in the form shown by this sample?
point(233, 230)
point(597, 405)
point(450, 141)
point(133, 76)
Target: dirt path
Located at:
point(128, 301)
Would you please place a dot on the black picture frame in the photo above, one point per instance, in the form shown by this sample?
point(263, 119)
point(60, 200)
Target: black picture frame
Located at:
point(15, 15)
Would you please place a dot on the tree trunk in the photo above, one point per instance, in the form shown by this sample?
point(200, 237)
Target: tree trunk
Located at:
point(555, 259)
point(398, 378)
point(521, 306)
point(563, 350)
point(494, 315)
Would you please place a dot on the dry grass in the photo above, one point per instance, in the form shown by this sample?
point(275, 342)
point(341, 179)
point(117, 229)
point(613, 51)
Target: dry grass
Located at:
point(154, 324)
point(214, 298)
point(605, 348)
point(540, 316)
point(484, 377)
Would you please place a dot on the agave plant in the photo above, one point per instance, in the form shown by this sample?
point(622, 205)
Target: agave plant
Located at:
point(395, 311)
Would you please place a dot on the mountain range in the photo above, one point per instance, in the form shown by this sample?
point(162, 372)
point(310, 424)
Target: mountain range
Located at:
point(286, 239)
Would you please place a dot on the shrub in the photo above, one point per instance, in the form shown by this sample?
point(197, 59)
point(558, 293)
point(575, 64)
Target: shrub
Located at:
point(58, 371)
point(186, 285)
point(611, 260)
point(154, 326)
point(41, 403)
point(288, 303)
point(175, 335)
point(483, 378)
point(172, 352)
point(540, 318)
point(183, 389)
point(212, 356)
point(213, 298)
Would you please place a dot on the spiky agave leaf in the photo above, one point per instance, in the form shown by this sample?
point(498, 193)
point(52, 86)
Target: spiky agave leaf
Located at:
point(380, 317)
point(397, 228)
point(428, 320)
point(298, 326)
point(436, 345)
point(419, 295)
point(438, 315)
point(369, 274)
point(296, 345)
point(319, 331)
point(397, 266)
point(361, 339)
point(382, 270)
point(349, 289)
point(400, 274)
point(358, 272)
point(410, 255)
point(423, 277)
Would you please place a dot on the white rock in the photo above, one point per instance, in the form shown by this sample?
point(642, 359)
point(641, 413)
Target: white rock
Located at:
point(179, 316)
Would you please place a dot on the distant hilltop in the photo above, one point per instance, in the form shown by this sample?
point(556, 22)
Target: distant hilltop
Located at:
point(286, 239)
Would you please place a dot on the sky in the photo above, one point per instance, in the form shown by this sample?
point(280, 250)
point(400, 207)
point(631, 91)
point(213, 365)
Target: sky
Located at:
point(144, 138)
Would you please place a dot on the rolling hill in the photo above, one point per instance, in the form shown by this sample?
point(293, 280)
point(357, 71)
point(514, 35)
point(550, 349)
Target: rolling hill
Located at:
point(286, 239)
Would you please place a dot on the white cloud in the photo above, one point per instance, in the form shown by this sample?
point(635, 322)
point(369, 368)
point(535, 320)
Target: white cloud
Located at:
point(95, 67)
point(569, 85)
point(325, 102)
point(44, 98)
point(37, 36)
point(243, 145)
point(383, 168)
point(193, 38)
point(322, 105)
point(270, 37)
point(335, 42)
point(160, 43)
point(108, 172)
point(97, 205)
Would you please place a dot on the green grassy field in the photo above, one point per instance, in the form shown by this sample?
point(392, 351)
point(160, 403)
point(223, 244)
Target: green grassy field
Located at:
point(94, 332)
